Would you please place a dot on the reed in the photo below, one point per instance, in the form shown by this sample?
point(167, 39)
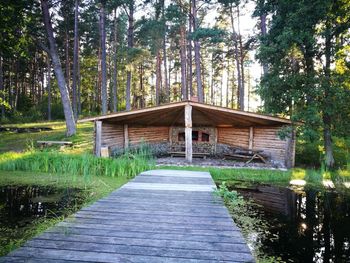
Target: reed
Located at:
point(85, 165)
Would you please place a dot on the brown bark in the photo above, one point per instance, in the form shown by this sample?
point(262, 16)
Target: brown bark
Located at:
point(197, 56)
point(75, 60)
point(166, 84)
point(241, 56)
point(67, 61)
point(227, 82)
point(142, 89)
point(189, 54)
point(212, 93)
point(103, 58)
point(236, 55)
point(263, 34)
point(2, 89)
point(79, 86)
point(48, 63)
point(327, 118)
point(130, 45)
point(67, 107)
point(115, 70)
point(158, 77)
point(183, 62)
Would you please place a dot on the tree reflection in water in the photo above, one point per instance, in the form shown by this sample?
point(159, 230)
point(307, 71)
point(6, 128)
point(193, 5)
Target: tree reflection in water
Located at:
point(304, 226)
point(22, 206)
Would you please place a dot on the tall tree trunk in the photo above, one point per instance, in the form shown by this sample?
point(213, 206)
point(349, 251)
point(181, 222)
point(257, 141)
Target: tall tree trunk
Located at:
point(75, 60)
point(227, 82)
point(115, 70)
point(166, 84)
point(238, 67)
point(241, 55)
point(79, 86)
point(263, 30)
point(197, 56)
point(103, 58)
point(212, 93)
point(327, 118)
point(2, 90)
point(158, 77)
point(67, 61)
point(130, 45)
point(167, 88)
point(48, 63)
point(67, 107)
point(221, 87)
point(142, 90)
point(183, 62)
point(189, 54)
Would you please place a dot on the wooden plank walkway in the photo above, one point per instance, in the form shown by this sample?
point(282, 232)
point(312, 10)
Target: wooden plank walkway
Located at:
point(160, 216)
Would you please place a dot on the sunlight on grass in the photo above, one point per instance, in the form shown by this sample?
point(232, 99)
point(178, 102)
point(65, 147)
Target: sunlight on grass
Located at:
point(82, 141)
point(298, 174)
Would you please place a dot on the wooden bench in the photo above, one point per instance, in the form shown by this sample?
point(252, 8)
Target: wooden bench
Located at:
point(50, 143)
point(248, 155)
point(194, 155)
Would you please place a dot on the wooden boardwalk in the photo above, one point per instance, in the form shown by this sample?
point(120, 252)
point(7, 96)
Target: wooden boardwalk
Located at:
point(160, 216)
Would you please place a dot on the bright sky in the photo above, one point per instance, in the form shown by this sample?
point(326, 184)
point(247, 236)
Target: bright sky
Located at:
point(247, 28)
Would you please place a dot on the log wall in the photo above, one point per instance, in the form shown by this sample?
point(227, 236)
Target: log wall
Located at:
point(112, 135)
point(148, 134)
point(238, 137)
point(264, 138)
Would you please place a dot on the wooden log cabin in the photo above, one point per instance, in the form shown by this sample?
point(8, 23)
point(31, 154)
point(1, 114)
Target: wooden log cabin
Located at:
point(193, 129)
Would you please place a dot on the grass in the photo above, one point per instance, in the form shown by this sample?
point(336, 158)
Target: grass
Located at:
point(311, 177)
point(85, 165)
point(82, 141)
point(22, 163)
point(91, 190)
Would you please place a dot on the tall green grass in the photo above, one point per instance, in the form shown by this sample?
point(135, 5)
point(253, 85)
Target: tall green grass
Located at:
point(85, 165)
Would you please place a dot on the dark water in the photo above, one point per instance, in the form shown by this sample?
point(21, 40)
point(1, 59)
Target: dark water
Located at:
point(303, 226)
point(22, 206)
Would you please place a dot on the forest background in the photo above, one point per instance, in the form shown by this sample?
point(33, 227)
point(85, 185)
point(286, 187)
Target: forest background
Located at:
point(73, 58)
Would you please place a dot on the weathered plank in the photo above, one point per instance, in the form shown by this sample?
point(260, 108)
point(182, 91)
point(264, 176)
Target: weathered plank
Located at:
point(160, 216)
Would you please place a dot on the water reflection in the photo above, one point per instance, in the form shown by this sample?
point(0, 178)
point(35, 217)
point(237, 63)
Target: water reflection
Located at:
point(304, 226)
point(21, 206)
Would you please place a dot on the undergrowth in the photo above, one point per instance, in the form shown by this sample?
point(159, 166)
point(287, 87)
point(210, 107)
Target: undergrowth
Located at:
point(85, 165)
point(245, 214)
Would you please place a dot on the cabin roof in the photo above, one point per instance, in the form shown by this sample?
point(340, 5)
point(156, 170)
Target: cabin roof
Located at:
point(172, 114)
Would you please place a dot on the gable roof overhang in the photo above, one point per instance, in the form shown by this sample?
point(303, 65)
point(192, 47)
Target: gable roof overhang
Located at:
point(172, 114)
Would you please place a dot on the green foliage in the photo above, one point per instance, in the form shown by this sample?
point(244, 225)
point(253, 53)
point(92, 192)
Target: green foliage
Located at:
point(214, 35)
point(245, 214)
point(72, 164)
point(11, 141)
point(310, 153)
point(298, 82)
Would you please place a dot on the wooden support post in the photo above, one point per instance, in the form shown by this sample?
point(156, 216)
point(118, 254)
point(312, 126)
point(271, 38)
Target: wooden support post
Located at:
point(216, 139)
point(188, 132)
point(126, 137)
point(170, 136)
point(251, 138)
point(98, 138)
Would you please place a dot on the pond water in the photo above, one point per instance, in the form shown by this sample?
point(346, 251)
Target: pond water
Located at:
point(302, 225)
point(22, 206)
